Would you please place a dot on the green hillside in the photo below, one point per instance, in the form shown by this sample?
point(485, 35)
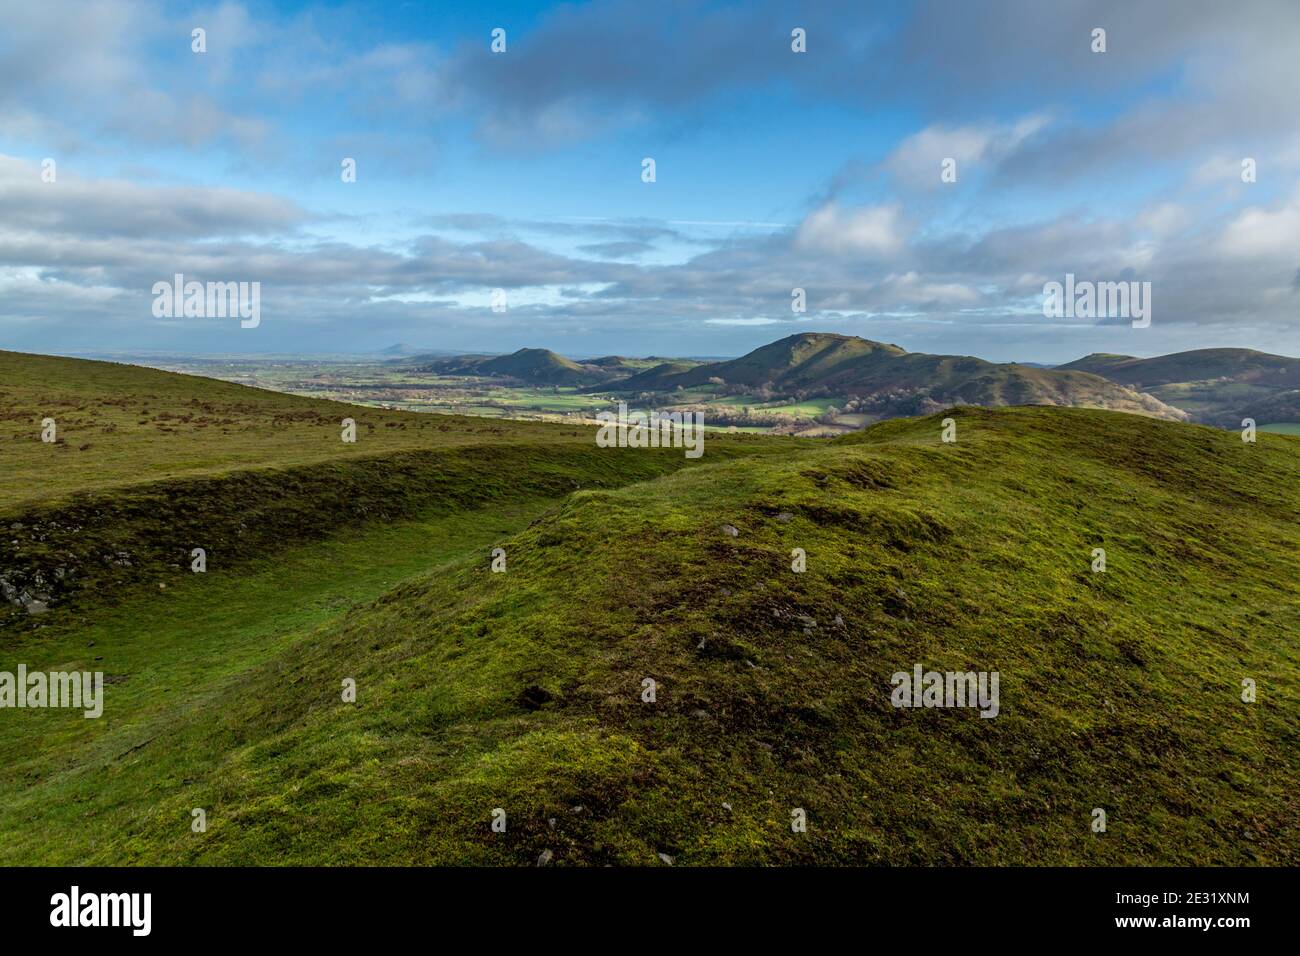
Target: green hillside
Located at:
point(1194, 366)
point(534, 366)
point(149, 465)
point(523, 690)
point(885, 380)
point(1215, 386)
point(120, 425)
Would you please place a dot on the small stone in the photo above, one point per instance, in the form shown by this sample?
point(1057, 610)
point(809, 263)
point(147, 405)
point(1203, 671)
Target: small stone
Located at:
point(37, 607)
point(666, 858)
point(545, 857)
point(726, 806)
point(551, 823)
point(784, 517)
point(730, 529)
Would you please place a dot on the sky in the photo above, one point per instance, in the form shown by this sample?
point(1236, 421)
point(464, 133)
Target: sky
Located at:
point(127, 157)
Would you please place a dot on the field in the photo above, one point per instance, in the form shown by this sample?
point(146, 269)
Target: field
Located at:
point(524, 691)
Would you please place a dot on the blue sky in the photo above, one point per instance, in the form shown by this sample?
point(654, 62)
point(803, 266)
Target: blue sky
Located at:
point(521, 170)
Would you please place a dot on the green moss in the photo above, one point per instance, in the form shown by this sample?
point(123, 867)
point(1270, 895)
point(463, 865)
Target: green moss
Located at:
point(523, 690)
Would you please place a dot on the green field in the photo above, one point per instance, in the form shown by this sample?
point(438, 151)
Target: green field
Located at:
point(523, 691)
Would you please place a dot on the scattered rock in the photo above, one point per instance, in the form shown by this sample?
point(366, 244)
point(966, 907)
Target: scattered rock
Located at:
point(551, 823)
point(730, 529)
point(726, 806)
point(784, 517)
point(545, 857)
point(839, 621)
point(37, 607)
point(666, 858)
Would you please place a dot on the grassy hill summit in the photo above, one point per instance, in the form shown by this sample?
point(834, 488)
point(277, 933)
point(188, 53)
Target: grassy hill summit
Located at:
point(886, 380)
point(674, 661)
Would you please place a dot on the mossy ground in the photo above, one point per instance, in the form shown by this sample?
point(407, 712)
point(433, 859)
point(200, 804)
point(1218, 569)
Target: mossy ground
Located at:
point(523, 690)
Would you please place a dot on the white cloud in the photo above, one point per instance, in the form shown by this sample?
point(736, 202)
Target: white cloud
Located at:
point(865, 231)
point(1268, 233)
point(916, 160)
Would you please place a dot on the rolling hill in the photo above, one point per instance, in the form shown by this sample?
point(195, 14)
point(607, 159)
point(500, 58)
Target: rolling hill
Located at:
point(544, 367)
point(523, 694)
point(147, 465)
point(530, 366)
point(888, 381)
point(1215, 386)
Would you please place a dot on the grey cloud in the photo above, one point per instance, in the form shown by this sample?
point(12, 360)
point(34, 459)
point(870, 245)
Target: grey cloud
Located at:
point(98, 208)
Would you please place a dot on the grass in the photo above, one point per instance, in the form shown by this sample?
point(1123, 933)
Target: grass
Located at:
point(85, 523)
point(522, 691)
point(169, 654)
point(120, 425)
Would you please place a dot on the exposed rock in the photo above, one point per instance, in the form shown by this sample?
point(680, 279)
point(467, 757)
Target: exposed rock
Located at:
point(731, 529)
point(545, 857)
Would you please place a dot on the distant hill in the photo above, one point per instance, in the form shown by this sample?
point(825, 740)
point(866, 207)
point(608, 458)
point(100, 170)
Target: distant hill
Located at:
point(544, 367)
point(1216, 386)
point(1242, 365)
point(533, 366)
point(887, 380)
